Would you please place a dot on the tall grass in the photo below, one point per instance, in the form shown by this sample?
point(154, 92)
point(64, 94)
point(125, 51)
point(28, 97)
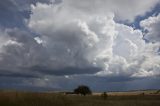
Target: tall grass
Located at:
point(55, 99)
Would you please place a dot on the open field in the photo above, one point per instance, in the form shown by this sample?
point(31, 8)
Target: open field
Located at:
point(58, 99)
point(129, 93)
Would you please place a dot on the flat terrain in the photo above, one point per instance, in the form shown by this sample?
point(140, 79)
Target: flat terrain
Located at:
point(60, 99)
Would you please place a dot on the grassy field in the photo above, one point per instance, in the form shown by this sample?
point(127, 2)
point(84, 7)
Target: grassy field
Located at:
point(57, 99)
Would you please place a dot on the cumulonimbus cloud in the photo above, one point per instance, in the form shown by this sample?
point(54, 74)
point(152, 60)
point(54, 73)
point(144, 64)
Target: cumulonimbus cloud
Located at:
point(93, 40)
point(78, 39)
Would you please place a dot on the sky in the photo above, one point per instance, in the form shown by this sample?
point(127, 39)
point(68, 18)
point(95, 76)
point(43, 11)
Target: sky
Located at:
point(108, 45)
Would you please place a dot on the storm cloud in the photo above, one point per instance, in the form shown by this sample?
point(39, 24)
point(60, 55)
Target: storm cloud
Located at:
point(71, 42)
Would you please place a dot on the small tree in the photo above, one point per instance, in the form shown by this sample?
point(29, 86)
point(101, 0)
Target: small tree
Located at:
point(83, 90)
point(104, 95)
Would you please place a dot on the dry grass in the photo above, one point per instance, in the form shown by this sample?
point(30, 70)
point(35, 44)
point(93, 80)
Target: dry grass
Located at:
point(56, 99)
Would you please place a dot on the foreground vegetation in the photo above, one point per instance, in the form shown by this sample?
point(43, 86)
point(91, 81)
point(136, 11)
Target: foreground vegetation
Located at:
point(59, 99)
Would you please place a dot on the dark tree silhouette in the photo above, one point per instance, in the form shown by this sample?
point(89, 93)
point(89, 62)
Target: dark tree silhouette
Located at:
point(83, 90)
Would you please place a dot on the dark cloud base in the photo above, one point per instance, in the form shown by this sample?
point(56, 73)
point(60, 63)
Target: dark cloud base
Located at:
point(96, 84)
point(64, 71)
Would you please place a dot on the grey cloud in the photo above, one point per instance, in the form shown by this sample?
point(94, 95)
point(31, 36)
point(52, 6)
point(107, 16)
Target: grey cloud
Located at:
point(95, 83)
point(12, 83)
point(6, 73)
point(118, 83)
point(22, 55)
point(72, 49)
point(64, 71)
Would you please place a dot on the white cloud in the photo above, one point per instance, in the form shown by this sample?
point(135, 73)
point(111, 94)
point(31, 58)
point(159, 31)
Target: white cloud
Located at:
point(3, 38)
point(152, 28)
point(82, 39)
point(38, 40)
point(123, 9)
